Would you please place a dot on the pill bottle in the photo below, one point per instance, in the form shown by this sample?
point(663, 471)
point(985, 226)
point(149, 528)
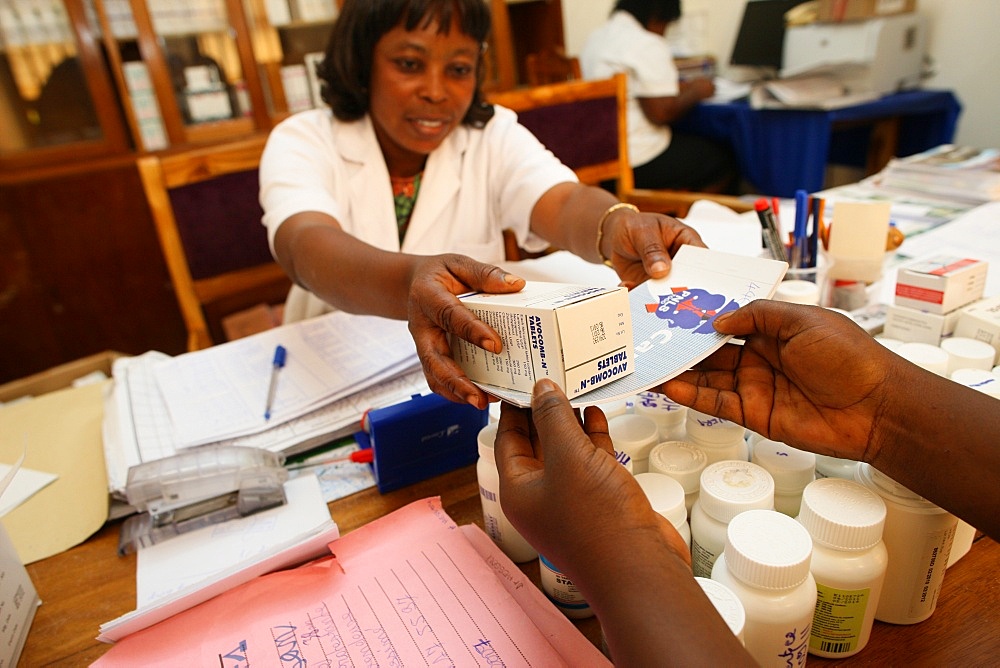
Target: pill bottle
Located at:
point(926, 356)
point(683, 462)
point(791, 468)
point(561, 591)
point(668, 415)
point(727, 488)
point(766, 564)
point(615, 408)
point(497, 526)
point(635, 435)
point(834, 467)
point(918, 536)
point(667, 498)
point(727, 603)
point(982, 380)
point(719, 439)
point(798, 291)
point(967, 353)
point(845, 520)
point(626, 461)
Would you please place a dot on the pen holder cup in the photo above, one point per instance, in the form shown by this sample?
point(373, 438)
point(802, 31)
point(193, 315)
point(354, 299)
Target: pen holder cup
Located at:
point(805, 285)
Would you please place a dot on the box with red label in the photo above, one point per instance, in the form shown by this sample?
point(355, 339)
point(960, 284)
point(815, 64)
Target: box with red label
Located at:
point(981, 321)
point(941, 284)
point(856, 10)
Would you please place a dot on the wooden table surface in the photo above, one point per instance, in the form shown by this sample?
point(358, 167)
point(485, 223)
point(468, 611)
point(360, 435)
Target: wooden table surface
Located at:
point(89, 585)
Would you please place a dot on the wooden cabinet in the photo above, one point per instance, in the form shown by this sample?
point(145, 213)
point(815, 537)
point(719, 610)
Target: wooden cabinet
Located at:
point(87, 86)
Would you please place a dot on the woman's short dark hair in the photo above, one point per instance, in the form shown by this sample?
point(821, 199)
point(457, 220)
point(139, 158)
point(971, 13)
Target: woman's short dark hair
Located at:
point(346, 69)
point(645, 11)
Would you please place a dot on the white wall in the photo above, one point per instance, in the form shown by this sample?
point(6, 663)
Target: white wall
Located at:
point(963, 45)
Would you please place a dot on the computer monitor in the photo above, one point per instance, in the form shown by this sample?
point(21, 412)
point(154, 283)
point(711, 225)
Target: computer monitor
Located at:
point(760, 40)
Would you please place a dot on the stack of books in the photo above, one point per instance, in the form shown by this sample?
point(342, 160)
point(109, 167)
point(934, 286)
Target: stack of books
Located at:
point(953, 172)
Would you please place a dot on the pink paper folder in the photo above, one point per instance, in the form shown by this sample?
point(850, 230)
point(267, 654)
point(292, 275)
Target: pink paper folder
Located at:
point(411, 588)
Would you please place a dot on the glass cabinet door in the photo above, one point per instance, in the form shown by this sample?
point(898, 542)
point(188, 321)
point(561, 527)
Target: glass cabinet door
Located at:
point(182, 68)
point(289, 38)
point(56, 95)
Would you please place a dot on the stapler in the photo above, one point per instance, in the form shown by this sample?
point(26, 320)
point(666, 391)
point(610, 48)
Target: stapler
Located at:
point(197, 488)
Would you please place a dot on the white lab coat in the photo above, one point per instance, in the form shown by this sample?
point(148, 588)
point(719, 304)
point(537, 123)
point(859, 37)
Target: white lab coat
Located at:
point(478, 182)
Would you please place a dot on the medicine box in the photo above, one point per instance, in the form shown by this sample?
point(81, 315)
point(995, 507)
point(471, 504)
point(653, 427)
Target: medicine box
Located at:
point(578, 336)
point(910, 324)
point(981, 321)
point(941, 284)
point(854, 10)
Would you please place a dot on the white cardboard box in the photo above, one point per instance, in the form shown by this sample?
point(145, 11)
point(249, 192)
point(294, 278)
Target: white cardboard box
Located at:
point(578, 336)
point(910, 324)
point(941, 284)
point(981, 321)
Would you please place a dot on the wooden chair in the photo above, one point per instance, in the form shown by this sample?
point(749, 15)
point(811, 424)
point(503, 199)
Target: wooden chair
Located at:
point(205, 206)
point(551, 65)
point(584, 124)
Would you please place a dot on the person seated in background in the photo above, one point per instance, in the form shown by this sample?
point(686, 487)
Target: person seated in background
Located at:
point(390, 202)
point(805, 376)
point(633, 41)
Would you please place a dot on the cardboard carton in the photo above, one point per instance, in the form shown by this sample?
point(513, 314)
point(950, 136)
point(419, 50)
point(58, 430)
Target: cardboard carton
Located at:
point(580, 337)
point(836, 11)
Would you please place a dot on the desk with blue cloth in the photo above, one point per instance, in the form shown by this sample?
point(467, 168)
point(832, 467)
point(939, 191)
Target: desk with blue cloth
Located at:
point(781, 150)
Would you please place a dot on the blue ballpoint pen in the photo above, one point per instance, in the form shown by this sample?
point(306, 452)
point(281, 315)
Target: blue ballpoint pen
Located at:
point(276, 365)
point(799, 250)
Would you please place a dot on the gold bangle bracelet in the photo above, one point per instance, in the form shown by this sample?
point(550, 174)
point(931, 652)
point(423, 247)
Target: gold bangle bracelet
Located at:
point(600, 226)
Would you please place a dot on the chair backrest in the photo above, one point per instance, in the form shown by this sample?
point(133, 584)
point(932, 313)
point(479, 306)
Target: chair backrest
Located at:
point(551, 65)
point(205, 205)
point(581, 122)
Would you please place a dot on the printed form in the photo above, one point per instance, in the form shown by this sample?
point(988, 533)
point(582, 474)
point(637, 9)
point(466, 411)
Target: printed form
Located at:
point(411, 588)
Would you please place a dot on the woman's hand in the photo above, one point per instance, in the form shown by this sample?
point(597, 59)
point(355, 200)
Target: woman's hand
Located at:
point(640, 245)
point(434, 311)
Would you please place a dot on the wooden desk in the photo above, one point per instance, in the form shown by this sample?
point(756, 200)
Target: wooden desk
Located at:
point(89, 585)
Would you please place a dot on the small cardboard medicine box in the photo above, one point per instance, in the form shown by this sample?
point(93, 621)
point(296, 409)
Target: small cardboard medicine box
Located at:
point(578, 336)
point(910, 324)
point(941, 284)
point(981, 321)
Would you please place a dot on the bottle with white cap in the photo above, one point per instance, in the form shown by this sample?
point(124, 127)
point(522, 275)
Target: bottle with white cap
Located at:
point(926, 356)
point(845, 520)
point(918, 536)
point(791, 468)
point(683, 462)
point(766, 564)
point(982, 380)
point(635, 435)
point(561, 591)
point(968, 353)
point(668, 415)
point(497, 526)
point(797, 291)
point(667, 498)
point(719, 439)
point(727, 604)
point(728, 488)
point(835, 467)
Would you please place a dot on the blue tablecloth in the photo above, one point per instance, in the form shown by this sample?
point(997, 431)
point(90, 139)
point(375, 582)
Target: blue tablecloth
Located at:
point(781, 150)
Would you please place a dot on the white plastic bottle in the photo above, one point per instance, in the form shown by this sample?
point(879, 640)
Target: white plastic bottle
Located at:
point(668, 415)
point(791, 468)
point(683, 462)
point(834, 467)
point(561, 591)
point(719, 439)
point(635, 435)
point(497, 526)
point(766, 564)
point(845, 520)
point(728, 488)
point(918, 536)
point(667, 498)
point(728, 605)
